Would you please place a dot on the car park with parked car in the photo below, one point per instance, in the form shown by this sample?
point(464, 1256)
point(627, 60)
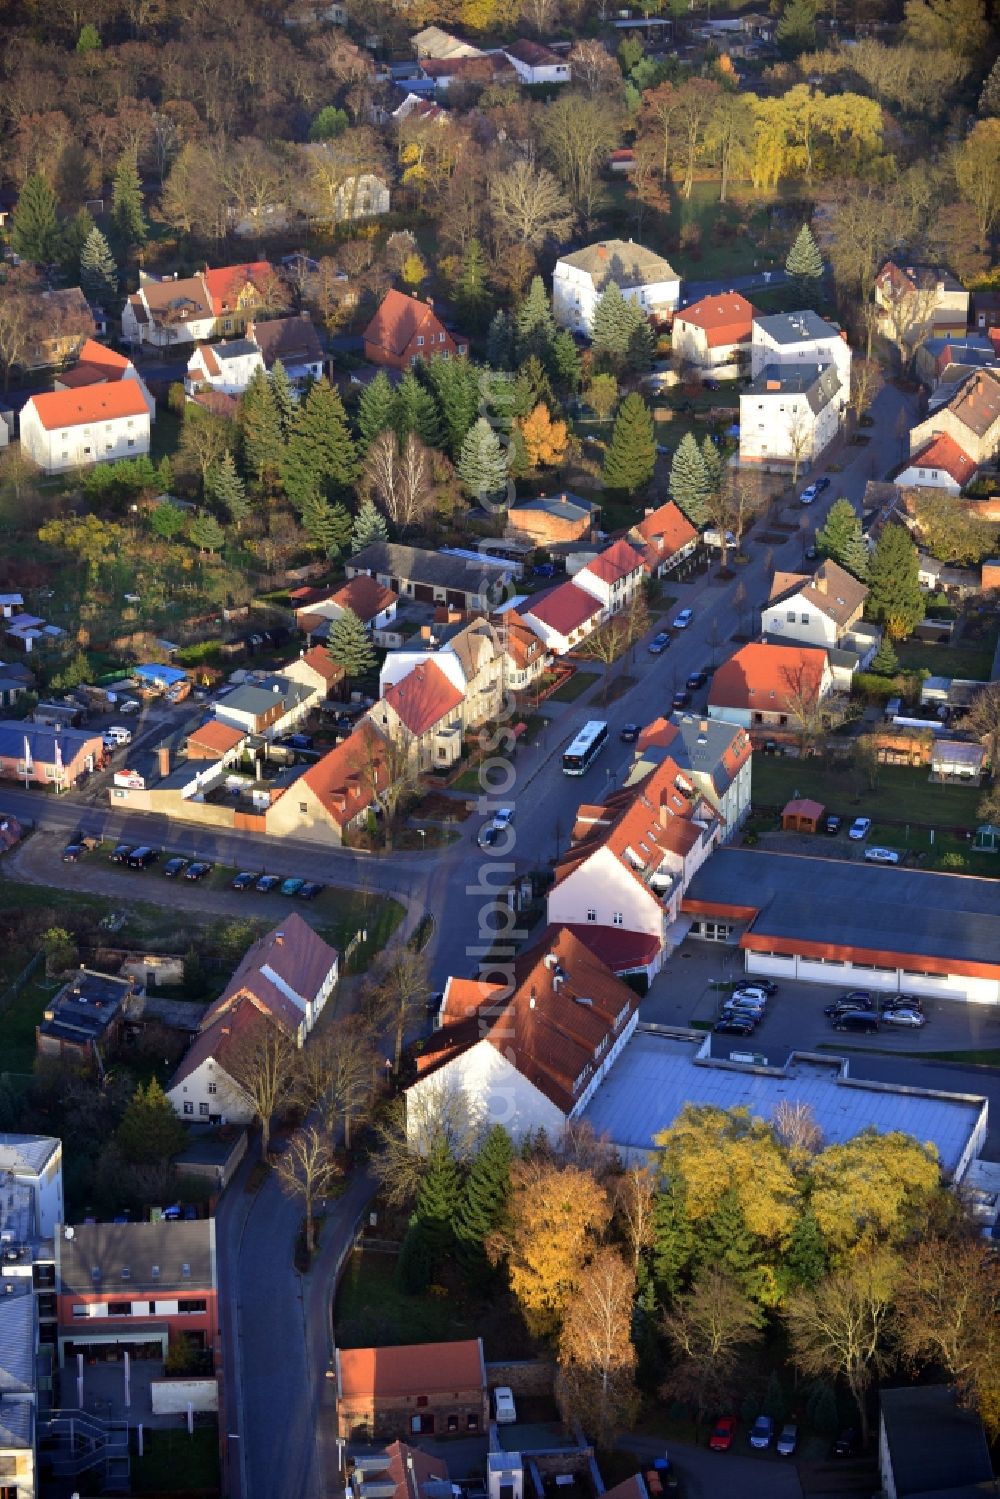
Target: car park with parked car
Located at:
point(734, 1025)
point(659, 643)
point(72, 853)
point(854, 1020)
point(696, 679)
point(119, 854)
point(267, 882)
point(860, 828)
point(681, 698)
point(722, 1434)
point(310, 890)
point(244, 880)
point(832, 825)
point(292, 885)
point(683, 619)
point(630, 733)
point(896, 1015)
point(788, 1440)
point(762, 1433)
point(198, 870)
point(173, 867)
point(878, 855)
point(142, 857)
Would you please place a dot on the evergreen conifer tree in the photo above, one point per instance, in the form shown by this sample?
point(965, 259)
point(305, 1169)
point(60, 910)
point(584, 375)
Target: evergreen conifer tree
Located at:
point(566, 363)
point(455, 384)
point(674, 1242)
point(369, 526)
point(484, 1202)
point(228, 490)
point(534, 325)
point(885, 662)
point(98, 272)
point(482, 463)
point(842, 541)
point(804, 262)
point(822, 1412)
point(127, 215)
point(260, 429)
point(612, 327)
point(319, 457)
point(713, 465)
point(438, 1201)
point(327, 526)
point(688, 483)
point(805, 1262)
point(34, 230)
point(281, 394)
point(72, 238)
point(415, 410)
point(725, 1241)
point(473, 301)
point(631, 455)
point(206, 533)
point(641, 344)
point(349, 646)
point(375, 410)
point(415, 1264)
point(500, 342)
point(796, 28)
point(895, 598)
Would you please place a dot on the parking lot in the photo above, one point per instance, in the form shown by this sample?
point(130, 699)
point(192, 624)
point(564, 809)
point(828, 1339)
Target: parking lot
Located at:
point(692, 985)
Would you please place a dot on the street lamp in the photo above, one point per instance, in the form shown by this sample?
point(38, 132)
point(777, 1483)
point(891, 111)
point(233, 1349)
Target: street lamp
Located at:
point(423, 838)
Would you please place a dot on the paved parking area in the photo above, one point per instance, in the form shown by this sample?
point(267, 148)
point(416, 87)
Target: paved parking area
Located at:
point(687, 990)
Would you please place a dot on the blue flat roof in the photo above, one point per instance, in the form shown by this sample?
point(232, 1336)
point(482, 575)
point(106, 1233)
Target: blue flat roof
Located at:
point(153, 672)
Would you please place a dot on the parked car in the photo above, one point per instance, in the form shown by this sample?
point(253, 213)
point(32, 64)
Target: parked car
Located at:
point(855, 1020)
point(488, 835)
point(809, 494)
point(72, 853)
point(173, 867)
point(244, 880)
point(811, 554)
point(788, 1440)
point(878, 855)
point(762, 1433)
point(310, 890)
point(659, 643)
point(544, 570)
point(681, 698)
point(267, 882)
point(117, 735)
point(298, 741)
point(682, 620)
point(630, 733)
point(847, 1443)
point(860, 828)
point(861, 999)
point(142, 857)
point(758, 985)
point(502, 818)
point(503, 1401)
point(198, 870)
point(733, 1025)
point(903, 1002)
point(896, 1015)
point(722, 1434)
point(833, 824)
point(291, 886)
point(696, 679)
point(119, 854)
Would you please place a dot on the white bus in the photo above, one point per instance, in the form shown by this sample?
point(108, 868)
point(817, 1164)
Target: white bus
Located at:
point(587, 745)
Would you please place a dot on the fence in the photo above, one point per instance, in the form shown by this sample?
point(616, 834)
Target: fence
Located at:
point(23, 977)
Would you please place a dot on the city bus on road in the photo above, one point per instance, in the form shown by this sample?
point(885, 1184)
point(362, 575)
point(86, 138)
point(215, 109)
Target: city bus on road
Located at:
point(581, 754)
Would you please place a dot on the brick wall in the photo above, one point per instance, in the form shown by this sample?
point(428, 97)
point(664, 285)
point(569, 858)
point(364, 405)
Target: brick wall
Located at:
point(523, 1376)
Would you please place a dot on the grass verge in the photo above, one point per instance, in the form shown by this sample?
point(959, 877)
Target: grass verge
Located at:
point(574, 686)
point(176, 1463)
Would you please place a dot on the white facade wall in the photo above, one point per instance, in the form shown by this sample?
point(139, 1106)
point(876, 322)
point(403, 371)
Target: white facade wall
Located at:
point(832, 349)
point(738, 716)
point(546, 73)
point(775, 425)
point(603, 886)
point(234, 374)
point(58, 451)
point(614, 596)
point(927, 478)
point(192, 1098)
point(494, 1092)
point(798, 619)
point(607, 1062)
point(399, 664)
point(884, 980)
point(689, 344)
point(574, 297)
point(195, 331)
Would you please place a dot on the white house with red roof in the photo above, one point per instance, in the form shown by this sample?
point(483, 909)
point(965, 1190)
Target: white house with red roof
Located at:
point(333, 797)
point(534, 63)
point(470, 654)
point(614, 576)
point(939, 464)
point(372, 602)
point(664, 537)
point(69, 429)
point(765, 686)
point(528, 1054)
point(715, 333)
point(564, 616)
point(190, 309)
point(228, 366)
point(98, 365)
point(423, 711)
point(316, 670)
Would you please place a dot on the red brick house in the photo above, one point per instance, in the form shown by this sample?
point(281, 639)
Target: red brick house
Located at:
point(419, 1389)
point(405, 329)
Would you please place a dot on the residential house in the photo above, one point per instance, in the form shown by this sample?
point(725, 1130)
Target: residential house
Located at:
point(68, 325)
point(361, 196)
point(68, 429)
point(819, 609)
point(405, 329)
point(920, 301)
point(372, 602)
point(614, 577)
point(417, 1389)
point(931, 1444)
point(228, 366)
point(715, 754)
point(241, 294)
point(139, 1287)
point(470, 655)
point(555, 520)
point(714, 334)
point(467, 582)
point(423, 111)
point(269, 706)
point(334, 796)
point(194, 308)
point(15, 677)
point(770, 687)
point(98, 365)
point(86, 1018)
point(423, 711)
point(436, 43)
point(789, 338)
point(986, 311)
point(526, 655)
point(402, 1472)
point(790, 414)
point(971, 418)
point(528, 1054)
point(215, 741)
point(316, 670)
point(481, 72)
point(19, 1377)
point(562, 617)
point(34, 1163)
point(292, 340)
point(29, 630)
point(948, 361)
point(581, 278)
point(31, 752)
point(665, 537)
point(939, 464)
point(533, 63)
point(619, 885)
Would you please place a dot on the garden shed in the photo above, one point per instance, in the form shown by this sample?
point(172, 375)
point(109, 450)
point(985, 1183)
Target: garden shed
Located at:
point(802, 816)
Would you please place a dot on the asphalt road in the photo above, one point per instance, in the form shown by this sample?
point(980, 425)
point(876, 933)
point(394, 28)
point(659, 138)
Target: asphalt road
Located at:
point(709, 1475)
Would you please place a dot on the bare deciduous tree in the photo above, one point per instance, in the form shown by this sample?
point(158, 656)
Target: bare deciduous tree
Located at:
point(399, 477)
point(308, 1169)
point(634, 1199)
point(596, 1354)
point(528, 206)
point(261, 1067)
point(398, 991)
point(710, 1330)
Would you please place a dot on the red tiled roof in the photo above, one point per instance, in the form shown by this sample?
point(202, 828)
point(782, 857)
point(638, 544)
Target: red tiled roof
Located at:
point(295, 955)
point(762, 677)
point(977, 401)
point(208, 358)
point(630, 1488)
point(725, 319)
point(619, 561)
point(217, 736)
point(422, 698)
point(341, 779)
point(228, 1033)
point(94, 366)
point(408, 1369)
point(400, 318)
point(320, 660)
point(91, 403)
point(409, 1469)
point(664, 533)
point(523, 645)
point(617, 949)
point(943, 452)
point(366, 596)
point(532, 54)
point(466, 997)
point(564, 609)
point(227, 282)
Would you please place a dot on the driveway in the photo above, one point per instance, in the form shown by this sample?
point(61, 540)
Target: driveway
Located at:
point(710, 1475)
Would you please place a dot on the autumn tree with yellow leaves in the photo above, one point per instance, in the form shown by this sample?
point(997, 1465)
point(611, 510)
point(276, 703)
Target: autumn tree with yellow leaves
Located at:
point(596, 1381)
point(545, 440)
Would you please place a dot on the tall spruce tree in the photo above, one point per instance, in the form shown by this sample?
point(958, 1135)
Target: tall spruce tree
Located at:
point(369, 526)
point(612, 327)
point(319, 457)
point(473, 301)
point(804, 262)
point(500, 341)
point(482, 463)
point(414, 409)
point(725, 1241)
point(455, 384)
point(98, 272)
point(228, 491)
point(260, 430)
point(438, 1201)
point(72, 238)
point(327, 526)
point(895, 598)
point(349, 647)
point(484, 1204)
point(281, 395)
point(688, 482)
point(713, 464)
point(567, 362)
point(841, 539)
point(34, 229)
point(796, 28)
point(375, 410)
point(127, 216)
point(674, 1241)
point(631, 455)
point(885, 662)
point(206, 533)
point(805, 1260)
point(535, 327)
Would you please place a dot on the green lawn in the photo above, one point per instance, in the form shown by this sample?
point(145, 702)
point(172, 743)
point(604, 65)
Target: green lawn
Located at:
point(971, 659)
point(733, 254)
point(574, 686)
point(20, 1016)
point(903, 792)
point(176, 1463)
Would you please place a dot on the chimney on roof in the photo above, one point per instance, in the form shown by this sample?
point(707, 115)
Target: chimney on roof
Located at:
point(430, 303)
point(531, 998)
point(773, 385)
point(425, 633)
point(279, 939)
point(820, 582)
point(163, 758)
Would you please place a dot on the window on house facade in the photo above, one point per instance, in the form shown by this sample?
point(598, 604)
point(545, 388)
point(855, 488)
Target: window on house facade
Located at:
point(591, 914)
point(420, 340)
point(119, 1308)
point(213, 1087)
point(203, 1110)
point(189, 1308)
point(188, 1108)
point(618, 919)
point(803, 619)
point(790, 616)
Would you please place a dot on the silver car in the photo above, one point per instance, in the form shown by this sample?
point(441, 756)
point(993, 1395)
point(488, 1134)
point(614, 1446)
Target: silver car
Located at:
point(912, 1018)
point(788, 1440)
